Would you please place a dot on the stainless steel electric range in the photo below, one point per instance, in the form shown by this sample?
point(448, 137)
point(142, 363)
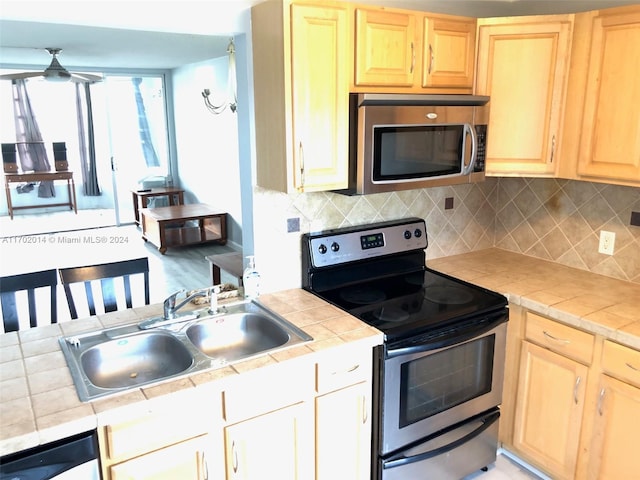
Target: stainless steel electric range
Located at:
point(438, 376)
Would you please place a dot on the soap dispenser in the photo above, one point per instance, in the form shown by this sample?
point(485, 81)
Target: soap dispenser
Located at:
point(251, 279)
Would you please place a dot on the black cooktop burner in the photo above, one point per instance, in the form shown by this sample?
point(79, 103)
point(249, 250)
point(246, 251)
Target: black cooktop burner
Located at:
point(450, 295)
point(362, 296)
point(414, 302)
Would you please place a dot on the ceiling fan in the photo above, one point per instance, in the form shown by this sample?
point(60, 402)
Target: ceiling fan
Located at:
point(54, 72)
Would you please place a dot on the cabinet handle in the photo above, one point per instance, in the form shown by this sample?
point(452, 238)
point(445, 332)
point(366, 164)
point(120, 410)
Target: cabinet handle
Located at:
point(234, 452)
point(301, 155)
point(413, 58)
point(365, 416)
point(553, 148)
point(632, 367)
point(430, 59)
point(205, 466)
point(348, 370)
point(600, 401)
point(556, 339)
point(575, 390)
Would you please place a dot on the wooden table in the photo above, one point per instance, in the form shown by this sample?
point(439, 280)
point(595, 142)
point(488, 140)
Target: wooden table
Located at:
point(180, 225)
point(41, 177)
point(141, 198)
point(229, 262)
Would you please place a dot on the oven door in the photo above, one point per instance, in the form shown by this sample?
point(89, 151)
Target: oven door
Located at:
point(426, 388)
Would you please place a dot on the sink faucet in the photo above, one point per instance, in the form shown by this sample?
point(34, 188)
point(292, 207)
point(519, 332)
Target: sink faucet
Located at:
point(170, 307)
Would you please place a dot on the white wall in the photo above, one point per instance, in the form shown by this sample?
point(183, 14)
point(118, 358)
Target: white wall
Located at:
point(207, 159)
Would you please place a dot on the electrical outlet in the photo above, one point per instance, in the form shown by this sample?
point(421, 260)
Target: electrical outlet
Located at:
point(607, 242)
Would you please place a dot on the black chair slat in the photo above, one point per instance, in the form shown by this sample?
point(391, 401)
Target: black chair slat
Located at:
point(106, 273)
point(28, 282)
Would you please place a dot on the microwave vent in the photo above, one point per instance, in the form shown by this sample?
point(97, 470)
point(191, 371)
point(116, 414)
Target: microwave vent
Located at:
point(384, 99)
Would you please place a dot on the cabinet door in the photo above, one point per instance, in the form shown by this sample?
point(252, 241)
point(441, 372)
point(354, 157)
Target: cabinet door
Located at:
point(614, 448)
point(448, 52)
point(549, 408)
point(610, 140)
point(343, 433)
point(320, 90)
point(186, 460)
point(386, 45)
point(523, 68)
point(275, 445)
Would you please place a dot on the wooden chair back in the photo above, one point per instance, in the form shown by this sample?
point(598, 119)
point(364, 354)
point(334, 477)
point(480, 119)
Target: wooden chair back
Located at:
point(28, 282)
point(107, 273)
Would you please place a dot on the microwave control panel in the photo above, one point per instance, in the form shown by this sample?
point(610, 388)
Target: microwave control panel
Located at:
point(481, 151)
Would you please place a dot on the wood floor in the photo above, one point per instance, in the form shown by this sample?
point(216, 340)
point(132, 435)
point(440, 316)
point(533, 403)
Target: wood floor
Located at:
point(180, 268)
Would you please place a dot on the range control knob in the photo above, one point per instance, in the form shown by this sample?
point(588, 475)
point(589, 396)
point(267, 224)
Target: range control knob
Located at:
point(407, 234)
point(335, 247)
point(417, 233)
point(322, 248)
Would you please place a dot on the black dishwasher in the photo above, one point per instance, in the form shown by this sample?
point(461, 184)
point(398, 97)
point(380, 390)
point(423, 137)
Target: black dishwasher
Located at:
point(74, 458)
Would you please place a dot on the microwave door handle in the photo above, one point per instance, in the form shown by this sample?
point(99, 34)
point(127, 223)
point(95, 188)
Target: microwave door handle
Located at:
point(484, 423)
point(466, 170)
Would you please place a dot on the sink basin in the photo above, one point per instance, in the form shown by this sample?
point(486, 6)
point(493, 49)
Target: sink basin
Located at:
point(236, 336)
point(135, 360)
point(112, 360)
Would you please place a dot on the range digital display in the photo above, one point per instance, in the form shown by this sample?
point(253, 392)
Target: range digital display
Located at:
point(373, 240)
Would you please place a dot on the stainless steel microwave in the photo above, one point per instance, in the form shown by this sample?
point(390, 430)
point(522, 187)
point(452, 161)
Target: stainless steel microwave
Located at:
point(405, 142)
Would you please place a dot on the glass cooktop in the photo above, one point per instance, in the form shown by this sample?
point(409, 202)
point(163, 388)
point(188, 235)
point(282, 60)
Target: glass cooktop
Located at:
point(415, 302)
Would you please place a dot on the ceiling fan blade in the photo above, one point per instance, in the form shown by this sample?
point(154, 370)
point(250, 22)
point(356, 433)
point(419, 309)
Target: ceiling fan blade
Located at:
point(18, 76)
point(85, 77)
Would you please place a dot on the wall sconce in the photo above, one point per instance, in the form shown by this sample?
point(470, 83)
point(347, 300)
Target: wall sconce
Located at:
point(232, 103)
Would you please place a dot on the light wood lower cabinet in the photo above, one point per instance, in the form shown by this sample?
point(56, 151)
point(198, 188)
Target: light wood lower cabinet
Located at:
point(613, 448)
point(575, 412)
point(275, 445)
point(343, 433)
point(185, 460)
point(551, 398)
point(304, 418)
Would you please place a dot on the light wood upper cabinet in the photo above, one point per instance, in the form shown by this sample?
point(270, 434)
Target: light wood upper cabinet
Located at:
point(407, 51)
point(301, 57)
point(610, 129)
point(386, 45)
point(448, 51)
point(522, 65)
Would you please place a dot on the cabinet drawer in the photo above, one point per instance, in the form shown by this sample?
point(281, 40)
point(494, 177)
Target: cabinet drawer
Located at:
point(268, 389)
point(560, 338)
point(338, 371)
point(621, 362)
point(153, 431)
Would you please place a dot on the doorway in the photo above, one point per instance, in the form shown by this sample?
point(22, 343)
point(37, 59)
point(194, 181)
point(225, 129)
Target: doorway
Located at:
point(129, 133)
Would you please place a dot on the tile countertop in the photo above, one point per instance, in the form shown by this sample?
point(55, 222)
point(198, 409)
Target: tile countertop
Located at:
point(582, 299)
point(38, 401)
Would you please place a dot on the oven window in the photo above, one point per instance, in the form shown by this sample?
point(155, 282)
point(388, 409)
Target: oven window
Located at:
point(417, 151)
point(434, 383)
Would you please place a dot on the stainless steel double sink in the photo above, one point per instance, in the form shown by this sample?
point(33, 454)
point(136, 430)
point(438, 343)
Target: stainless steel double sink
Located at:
point(118, 359)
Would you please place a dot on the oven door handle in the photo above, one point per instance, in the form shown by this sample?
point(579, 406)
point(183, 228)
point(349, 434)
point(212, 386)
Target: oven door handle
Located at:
point(400, 459)
point(453, 338)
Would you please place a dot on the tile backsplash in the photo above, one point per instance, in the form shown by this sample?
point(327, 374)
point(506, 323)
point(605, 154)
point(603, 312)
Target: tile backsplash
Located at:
point(553, 219)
